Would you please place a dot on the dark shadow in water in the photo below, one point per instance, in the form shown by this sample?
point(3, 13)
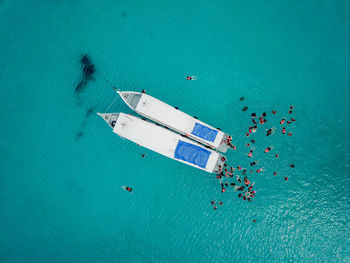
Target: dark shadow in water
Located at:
point(241, 98)
point(88, 72)
point(79, 135)
point(245, 108)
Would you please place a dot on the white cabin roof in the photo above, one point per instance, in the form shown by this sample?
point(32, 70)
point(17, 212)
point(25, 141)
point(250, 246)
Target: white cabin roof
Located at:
point(157, 138)
point(167, 115)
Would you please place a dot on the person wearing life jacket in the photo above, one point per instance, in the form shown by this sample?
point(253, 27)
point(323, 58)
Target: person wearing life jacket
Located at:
point(259, 170)
point(268, 149)
point(282, 121)
point(284, 130)
point(254, 163)
point(270, 131)
point(250, 154)
point(127, 188)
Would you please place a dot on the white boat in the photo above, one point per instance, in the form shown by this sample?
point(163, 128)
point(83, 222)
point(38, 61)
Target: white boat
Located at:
point(172, 117)
point(164, 141)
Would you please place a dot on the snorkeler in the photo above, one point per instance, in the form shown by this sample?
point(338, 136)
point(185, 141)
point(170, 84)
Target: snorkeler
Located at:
point(127, 188)
point(254, 163)
point(250, 154)
point(268, 149)
point(270, 131)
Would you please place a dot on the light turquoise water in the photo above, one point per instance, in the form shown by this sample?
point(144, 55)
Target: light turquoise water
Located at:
point(61, 198)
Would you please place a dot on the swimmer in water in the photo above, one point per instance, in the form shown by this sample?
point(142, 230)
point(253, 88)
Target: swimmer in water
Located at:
point(252, 141)
point(221, 203)
point(254, 163)
point(191, 77)
point(212, 202)
point(284, 130)
point(282, 121)
point(290, 112)
point(253, 115)
point(291, 107)
point(289, 134)
point(289, 122)
point(276, 155)
point(292, 165)
point(143, 155)
point(250, 154)
point(270, 131)
point(263, 115)
point(260, 170)
point(127, 188)
point(274, 173)
point(268, 149)
point(274, 112)
point(293, 120)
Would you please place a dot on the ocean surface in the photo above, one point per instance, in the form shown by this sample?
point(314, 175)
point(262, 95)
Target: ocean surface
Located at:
point(62, 167)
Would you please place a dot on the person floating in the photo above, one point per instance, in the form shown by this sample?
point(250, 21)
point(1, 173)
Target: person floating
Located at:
point(191, 77)
point(268, 149)
point(127, 188)
point(143, 155)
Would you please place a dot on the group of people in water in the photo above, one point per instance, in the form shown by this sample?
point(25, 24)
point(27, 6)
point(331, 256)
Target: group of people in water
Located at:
point(244, 186)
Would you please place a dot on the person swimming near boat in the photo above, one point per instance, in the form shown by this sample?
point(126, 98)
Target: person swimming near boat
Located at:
point(268, 149)
point(143, 91)
point(191, 77)
point(127, 188)
point(270, 131)
point(143, 155)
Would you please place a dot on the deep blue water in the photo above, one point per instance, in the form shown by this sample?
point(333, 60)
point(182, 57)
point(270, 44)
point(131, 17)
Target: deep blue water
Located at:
point(62, 168)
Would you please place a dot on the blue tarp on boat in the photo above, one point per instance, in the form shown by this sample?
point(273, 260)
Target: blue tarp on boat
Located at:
point(204, 132)
point(192, 153)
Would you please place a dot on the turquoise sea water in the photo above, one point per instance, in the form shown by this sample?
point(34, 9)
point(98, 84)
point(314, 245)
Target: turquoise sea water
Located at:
point(62, 168)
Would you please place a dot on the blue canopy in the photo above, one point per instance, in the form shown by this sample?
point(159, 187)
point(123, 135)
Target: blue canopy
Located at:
point(192, 153)
point(204, 132)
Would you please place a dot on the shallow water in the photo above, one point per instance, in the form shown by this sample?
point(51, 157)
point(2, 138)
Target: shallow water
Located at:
point(62, 168)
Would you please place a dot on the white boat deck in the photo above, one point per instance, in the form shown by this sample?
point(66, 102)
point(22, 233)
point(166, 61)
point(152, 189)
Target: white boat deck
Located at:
point(157, 138)
point(171, 117)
